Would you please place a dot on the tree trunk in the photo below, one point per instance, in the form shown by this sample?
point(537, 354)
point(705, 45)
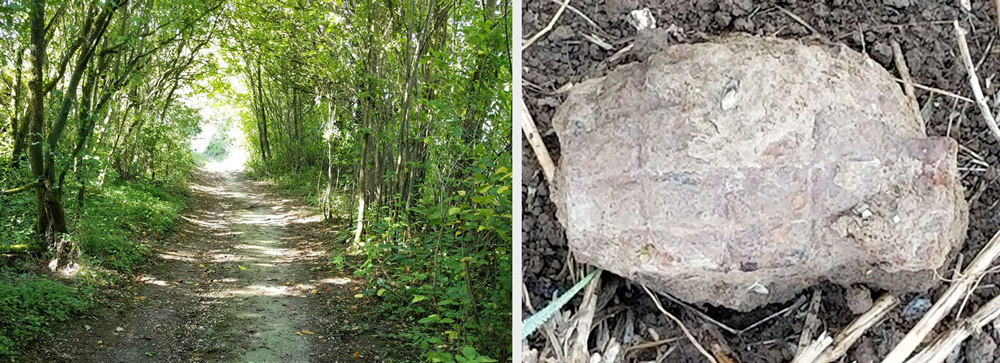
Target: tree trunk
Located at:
point(19, 124)
point(361, 191)
point(50, 217)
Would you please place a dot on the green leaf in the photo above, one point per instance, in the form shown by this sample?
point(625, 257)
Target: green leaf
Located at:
point(454, 210)
point(469, 352)
point(532, 323)
point(428, 320)
point(418, 298)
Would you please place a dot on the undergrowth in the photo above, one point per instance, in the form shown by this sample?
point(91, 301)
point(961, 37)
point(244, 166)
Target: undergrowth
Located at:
point(302, 184)
point(444, 267)
point(112, 230)
point(29, 304)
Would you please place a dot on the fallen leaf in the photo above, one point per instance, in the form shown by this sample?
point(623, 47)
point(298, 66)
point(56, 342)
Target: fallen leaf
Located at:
point(140, 298)
point(358, 296)
point(357, 354)
point(86, 327)
point(307, 332)
point(119, 329)
point(242, 268)
point(245, 346)
point(313, 291)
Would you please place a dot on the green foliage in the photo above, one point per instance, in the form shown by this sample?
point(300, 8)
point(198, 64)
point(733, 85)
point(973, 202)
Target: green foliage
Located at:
point(399, 112)
point(110, 230)
point(301, 184)
point(465, 232)
point(28, 305)
point(17, 219)
point(219, 144)
point(112, 223)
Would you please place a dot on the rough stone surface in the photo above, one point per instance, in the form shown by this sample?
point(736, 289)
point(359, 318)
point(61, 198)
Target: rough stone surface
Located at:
point(859, 299)
point(741, 171)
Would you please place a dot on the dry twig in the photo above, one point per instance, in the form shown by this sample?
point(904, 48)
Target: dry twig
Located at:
point(547, 28)
point(846, 338)
point(681, 325)
point(727, 328)
point(700, 314)
point(937, 312)
point(578, 12)
point(593, 38)
point(812, 351)
point(537, 145)
point(943, 346)
point(826, 350)
point(977, 91)
point(652, 344)
point(996, 7)
point(812, 322)
point(797, 19)
point(620, 53)
point(936, 90)
point(794, 306)
point(578, 351)
point(904, 73)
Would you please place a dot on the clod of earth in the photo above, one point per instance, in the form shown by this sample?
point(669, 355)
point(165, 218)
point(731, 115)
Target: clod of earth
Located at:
point(742, 171)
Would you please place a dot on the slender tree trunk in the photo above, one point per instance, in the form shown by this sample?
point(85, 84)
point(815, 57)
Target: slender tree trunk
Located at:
point(365, 145)
point(19, 124)
point(50, 218)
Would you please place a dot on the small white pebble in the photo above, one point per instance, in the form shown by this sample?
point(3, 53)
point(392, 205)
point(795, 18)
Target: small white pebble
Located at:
point(895, 219)
point(758, 288)
point(865, 214)
point(642, 19)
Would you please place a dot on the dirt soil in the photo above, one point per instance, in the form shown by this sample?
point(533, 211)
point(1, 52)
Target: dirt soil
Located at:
point(243, 279)
point(925, 32)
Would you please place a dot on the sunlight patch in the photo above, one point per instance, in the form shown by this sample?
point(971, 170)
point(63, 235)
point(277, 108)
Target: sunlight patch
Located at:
point(153, 281)
point(336, 280)
point(265, 250)
point(261, 290)
point(175, 257)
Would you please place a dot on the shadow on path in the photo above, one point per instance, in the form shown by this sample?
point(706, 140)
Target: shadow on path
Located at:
point(242, 279)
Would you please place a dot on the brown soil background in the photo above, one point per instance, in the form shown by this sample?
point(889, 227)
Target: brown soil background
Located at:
point(923, 29)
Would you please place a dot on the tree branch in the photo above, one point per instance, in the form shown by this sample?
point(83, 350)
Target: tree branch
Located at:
point(22, 188)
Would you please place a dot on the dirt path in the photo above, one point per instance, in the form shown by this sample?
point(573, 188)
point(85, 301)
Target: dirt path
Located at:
point(243, 279)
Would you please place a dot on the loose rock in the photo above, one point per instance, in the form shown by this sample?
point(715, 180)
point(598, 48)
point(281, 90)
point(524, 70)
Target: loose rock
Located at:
point(980, 349)
point(716, 171)
point(859, 299)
